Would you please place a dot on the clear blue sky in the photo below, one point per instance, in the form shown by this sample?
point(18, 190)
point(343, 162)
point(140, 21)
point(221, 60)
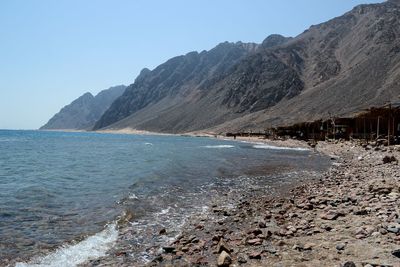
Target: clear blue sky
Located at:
point(51, 52)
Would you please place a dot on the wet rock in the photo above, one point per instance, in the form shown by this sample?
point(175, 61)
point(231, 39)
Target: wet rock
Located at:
point(224, 259)
point(163, 231)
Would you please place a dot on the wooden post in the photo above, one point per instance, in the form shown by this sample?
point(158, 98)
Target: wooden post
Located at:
point(370, 130)
point(334, 129)
point(365, 134)
point(390, 109)
point(377, 128)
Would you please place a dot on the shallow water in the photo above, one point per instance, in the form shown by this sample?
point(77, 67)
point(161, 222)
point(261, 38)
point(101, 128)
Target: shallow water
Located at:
point(57, 190)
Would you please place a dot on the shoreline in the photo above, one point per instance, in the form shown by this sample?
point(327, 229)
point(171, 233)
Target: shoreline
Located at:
point(350, 217)
point(346, 216)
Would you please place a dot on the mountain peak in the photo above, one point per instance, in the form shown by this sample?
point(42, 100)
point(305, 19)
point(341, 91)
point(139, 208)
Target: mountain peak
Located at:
point(84, 111)
point(274, 40)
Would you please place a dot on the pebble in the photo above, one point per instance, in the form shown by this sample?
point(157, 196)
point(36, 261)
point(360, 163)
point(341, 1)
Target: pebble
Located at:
point(255, 255)
point(242, 258)
point(349, 264)
point(224, 259)
point(340, 246)
point(353, 199)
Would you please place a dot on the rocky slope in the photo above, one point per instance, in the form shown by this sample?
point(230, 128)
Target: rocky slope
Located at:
point(83, 112)
point(156, 94)
point(338, 67)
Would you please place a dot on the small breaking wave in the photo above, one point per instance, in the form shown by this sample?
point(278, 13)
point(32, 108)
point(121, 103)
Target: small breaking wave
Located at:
point(264, 146)
point(220, 146)
point(71, 255)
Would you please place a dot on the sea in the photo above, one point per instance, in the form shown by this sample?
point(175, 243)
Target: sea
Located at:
point(67, 198)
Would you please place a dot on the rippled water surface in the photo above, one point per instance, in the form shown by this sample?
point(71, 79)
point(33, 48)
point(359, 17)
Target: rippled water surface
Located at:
point(57, 189)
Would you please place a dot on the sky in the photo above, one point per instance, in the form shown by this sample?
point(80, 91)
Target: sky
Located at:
point(51, 52)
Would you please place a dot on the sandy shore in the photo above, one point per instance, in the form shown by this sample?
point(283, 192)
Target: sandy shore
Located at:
point(348, 217)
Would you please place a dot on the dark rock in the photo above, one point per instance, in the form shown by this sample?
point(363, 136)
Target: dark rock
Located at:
point(389, 159)
point(349, 264)
point(256, 232)
point(261, 224)
point(396, 253)
point(393, 229)
point(360, 212)
point(340, 246)
point(255, 255)
point(162, 231)
point(158, 258)
point(169, 249)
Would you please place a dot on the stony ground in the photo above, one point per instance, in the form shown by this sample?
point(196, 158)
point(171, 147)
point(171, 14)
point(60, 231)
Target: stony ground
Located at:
point(349, 217)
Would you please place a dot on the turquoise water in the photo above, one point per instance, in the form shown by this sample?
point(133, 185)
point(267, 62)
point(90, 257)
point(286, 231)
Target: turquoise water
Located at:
point(58, 187)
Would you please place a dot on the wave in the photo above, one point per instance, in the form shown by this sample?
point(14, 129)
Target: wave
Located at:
point(264, 146)
point(220, 146)
point(71, 255)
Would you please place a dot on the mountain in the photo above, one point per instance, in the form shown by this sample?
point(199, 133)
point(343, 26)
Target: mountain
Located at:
point(336, 68)
point(83, 112)
point(180, 79)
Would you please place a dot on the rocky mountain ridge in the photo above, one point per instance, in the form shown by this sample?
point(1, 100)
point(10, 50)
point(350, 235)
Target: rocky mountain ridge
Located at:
point(336, 68)
point(83, 112)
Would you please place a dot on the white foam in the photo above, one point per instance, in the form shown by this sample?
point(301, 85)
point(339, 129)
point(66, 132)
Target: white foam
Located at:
point(133, 196)
point(164, 211)
point(71, 255)
point(220, 146)
point(148, 144)
point(264, 146)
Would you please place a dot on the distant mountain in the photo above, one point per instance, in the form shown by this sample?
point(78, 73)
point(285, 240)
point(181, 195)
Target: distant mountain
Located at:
point(336, 68)
point(83, 112)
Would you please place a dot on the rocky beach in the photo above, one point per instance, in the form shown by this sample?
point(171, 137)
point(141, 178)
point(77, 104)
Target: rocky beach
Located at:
point(346, 216)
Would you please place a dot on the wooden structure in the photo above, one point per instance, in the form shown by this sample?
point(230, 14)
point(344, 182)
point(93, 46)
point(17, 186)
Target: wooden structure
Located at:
point(378, 124)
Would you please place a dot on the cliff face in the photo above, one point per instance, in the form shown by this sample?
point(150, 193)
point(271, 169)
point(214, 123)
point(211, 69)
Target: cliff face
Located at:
point(335, 68)
point(83, 112)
